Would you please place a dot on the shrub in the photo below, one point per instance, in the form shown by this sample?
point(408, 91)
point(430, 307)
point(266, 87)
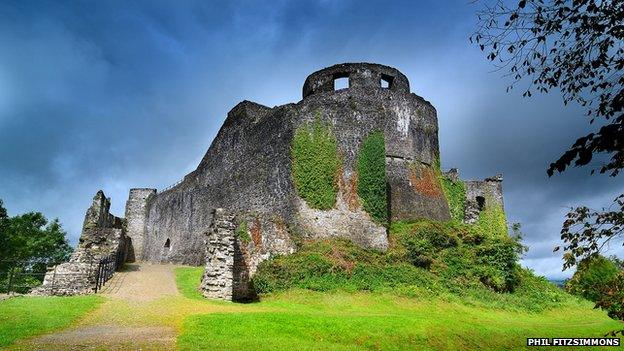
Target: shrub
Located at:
point(315, 164)
point(496, 263)
point(429, 255)
point(371, 185)
point(591, 278)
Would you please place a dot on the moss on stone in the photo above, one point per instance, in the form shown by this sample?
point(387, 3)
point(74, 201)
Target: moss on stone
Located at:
point(242, 232)
point(315, 164)
point(371, 186)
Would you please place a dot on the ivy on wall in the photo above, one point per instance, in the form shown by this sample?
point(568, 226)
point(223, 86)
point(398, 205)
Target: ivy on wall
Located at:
point(371, 186)
point(315, 164)
point(455, 193)
point(492, 220)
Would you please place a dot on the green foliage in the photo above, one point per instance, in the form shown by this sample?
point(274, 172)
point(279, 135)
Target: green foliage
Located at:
point(591, 277)
point(492, 221)
point(315, 164)
point(455, 193)
point(424, 256)
point(23, 317)
point(371, 186)
point(242, 232)
point(612, 297)
point(30, 237)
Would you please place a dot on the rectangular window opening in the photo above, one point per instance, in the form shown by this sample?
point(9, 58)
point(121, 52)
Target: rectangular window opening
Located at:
point(341, 83)
point(386, 81)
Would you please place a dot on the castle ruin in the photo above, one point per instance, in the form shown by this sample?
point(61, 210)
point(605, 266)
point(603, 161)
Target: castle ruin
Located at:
point(246, 176)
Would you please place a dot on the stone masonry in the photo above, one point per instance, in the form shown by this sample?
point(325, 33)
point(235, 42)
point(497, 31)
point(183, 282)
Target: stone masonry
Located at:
point(226, 276)
point(102, 235)
point(247, 172)
point(136, 215)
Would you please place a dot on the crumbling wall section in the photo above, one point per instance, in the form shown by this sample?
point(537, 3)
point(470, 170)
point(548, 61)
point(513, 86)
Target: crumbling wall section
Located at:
point(481, 194)
point(226, 272)
point(103, 235)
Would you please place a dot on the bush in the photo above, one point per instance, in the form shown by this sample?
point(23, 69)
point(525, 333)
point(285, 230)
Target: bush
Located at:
point(371, 186)
point(315, 164)
point(427, 255)
point(612, 297)
point(591, 278)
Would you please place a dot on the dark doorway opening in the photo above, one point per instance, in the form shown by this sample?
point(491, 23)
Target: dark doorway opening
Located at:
point(481, 203)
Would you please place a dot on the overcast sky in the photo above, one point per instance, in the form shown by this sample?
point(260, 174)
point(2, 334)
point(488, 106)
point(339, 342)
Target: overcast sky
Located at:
point(114, 94)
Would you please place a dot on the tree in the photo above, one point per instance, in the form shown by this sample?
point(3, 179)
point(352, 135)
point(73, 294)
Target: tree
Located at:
point(592, 277)
point(574, 46)
point(30, 238)
point(577, 48)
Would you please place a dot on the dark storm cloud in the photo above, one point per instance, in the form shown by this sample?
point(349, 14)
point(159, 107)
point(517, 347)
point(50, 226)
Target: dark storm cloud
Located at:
point(115, 95)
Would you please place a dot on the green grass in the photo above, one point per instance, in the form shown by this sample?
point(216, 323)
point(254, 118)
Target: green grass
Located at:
point(188, 280)
point(340, 320)
point(22, 317)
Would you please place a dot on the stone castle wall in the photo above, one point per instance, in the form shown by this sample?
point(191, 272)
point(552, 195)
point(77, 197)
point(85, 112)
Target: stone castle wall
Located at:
point(136, 220)
point(247, 169)
point(481, 194)
point(247, 172)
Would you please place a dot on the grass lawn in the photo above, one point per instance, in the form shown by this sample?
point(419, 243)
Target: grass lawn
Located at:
point(339, 320)
point(22, 317)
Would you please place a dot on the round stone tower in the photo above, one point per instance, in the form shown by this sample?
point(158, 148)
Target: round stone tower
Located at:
point(359, 98)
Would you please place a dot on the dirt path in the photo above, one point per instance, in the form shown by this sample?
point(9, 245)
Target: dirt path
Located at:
point(139, 314)
point(142, 282)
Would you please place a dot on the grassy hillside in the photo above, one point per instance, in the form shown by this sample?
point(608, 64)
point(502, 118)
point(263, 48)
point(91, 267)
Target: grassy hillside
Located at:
point(439, 286)
point(342, 320)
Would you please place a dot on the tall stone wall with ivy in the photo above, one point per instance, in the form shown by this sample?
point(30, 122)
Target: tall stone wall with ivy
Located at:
point(339, 163)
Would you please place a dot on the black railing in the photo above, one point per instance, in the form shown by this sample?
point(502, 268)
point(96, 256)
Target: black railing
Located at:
point(20, 277)
point(107, 267)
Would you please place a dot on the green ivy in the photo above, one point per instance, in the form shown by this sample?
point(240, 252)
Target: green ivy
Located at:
point(242, 233)
point(492, 221)
point(371, 186)
point(315, 164)
point(455, 193)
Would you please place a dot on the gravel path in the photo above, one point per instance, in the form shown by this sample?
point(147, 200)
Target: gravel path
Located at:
point(142, 282)
point(138, 315)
